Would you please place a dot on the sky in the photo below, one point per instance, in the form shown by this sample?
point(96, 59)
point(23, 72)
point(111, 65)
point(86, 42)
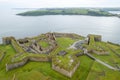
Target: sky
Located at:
point(58, 3)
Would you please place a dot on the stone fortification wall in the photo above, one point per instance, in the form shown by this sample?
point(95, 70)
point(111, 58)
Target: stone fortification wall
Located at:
point(47, 50)
point(96, 37)
point(35, 47)
point(2, 55)
point(13, 42)
point(16, 46)
point(101, 53)
point(65, 72)
point(24, 61)
point(44, 59)
point(7, 40)
point(16, 65)
point(70, 35)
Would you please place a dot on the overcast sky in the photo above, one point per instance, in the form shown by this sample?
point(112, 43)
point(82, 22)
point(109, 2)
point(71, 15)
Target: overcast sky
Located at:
point(59, 3)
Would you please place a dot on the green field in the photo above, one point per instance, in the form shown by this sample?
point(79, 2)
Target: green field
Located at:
point(100, 72)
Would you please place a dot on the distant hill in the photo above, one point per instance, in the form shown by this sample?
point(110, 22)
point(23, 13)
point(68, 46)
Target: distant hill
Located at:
point(67, 11)
point(111, 9)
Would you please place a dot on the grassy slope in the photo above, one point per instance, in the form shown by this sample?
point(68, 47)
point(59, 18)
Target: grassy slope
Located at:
point(112, 58)
point(84, 68)
point(9, 54)
point(100, 72)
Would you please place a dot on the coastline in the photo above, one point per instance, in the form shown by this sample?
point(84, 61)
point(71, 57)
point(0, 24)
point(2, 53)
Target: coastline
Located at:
point(67, 11)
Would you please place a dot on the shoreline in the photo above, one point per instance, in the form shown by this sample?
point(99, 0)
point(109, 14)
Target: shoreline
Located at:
point(67, 11)
point(31, 36)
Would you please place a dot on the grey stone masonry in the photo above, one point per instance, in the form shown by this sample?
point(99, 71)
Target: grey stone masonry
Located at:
point(65, 72)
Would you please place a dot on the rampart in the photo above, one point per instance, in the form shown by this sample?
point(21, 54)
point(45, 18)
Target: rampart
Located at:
point(25, 60)
point(65, 72)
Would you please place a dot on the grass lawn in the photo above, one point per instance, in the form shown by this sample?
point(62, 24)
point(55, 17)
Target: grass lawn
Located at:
point(10, 52)
point(65, 42)
point(100, 72)
point(44, 44)
point(84, 68)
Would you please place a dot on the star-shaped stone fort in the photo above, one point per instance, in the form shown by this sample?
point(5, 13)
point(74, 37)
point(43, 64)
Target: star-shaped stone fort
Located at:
point(60, 49)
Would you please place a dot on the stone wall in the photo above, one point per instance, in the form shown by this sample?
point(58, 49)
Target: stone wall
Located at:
point(35, 47)
point(7, 40)
point(2, 56)
point(24, 61)
point(65, 72)
point(16, 65)
point(96, 37)
point(70, 35)
point(16, 46)
point(100, 53)
point(44, 59)
point(13, 42)
point(22, 41)
point(50, 36)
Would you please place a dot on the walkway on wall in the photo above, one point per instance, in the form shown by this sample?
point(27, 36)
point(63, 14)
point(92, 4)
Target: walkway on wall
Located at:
point(99, 61)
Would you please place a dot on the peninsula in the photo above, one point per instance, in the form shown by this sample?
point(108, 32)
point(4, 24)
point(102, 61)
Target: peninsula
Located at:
point(67, 11)
point(59, 56)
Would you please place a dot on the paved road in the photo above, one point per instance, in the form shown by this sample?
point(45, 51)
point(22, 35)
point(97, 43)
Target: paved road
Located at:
point(76, 44)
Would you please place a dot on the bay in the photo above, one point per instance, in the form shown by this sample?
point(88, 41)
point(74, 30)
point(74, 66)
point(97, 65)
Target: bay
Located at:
point(22, 26)
point(115, 12)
